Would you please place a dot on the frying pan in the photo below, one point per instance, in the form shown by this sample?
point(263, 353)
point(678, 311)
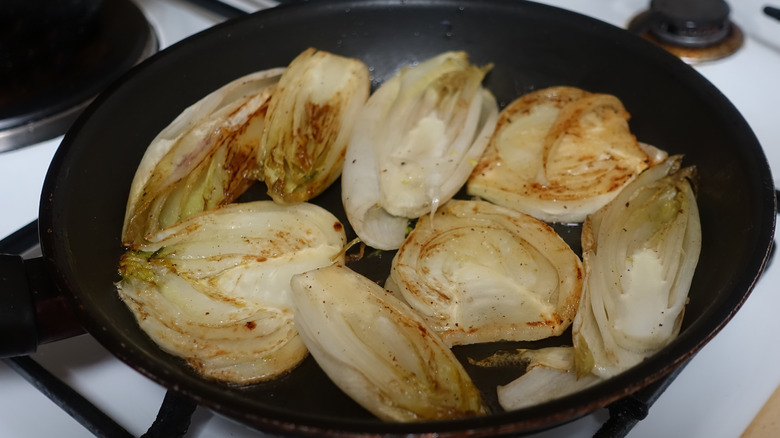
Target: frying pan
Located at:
point(532, 46)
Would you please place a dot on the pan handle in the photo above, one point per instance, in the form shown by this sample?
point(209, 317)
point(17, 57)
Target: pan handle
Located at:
point(32, 309)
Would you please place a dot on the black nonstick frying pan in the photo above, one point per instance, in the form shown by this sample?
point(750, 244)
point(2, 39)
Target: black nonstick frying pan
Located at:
point(532, 46)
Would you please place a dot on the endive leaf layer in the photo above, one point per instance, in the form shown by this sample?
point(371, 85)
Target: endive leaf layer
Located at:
point(546, 378)
point(549, 374)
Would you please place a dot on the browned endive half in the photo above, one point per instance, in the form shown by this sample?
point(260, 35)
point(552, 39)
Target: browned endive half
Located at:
point(205, 158)
point(640, 252)
point(379, 351)
point(559, 154)
point(214, 289)
point(479, 272)
point(309, 124)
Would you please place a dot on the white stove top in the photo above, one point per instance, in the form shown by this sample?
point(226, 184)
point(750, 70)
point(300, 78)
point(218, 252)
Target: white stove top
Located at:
point(716, 395)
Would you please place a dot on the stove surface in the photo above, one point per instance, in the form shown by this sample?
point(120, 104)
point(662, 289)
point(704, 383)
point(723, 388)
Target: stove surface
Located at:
point(716, 395)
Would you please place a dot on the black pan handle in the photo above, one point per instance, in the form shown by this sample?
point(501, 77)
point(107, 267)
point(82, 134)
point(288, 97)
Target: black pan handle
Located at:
point(32, 309)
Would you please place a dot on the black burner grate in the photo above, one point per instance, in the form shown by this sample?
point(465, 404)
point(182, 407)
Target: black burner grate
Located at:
point(173, 419)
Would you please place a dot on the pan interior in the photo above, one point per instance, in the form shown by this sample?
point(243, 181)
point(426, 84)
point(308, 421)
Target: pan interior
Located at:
point(531, 46)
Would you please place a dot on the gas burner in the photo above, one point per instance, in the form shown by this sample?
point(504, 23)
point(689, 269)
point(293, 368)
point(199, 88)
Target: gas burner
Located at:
point(694, 30)
point(57, 56)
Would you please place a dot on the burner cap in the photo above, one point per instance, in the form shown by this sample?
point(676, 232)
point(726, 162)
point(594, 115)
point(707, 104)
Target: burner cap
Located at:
point(690, 23)
point(57, 56)
point(693, 30)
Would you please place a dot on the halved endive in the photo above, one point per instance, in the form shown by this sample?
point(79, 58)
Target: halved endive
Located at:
point(214, 289)
point(478, 272)
point(559, 154)
point(640, 252)
point(205, 158)
point(310, 120)
point(378, 351)
point(414, 145)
